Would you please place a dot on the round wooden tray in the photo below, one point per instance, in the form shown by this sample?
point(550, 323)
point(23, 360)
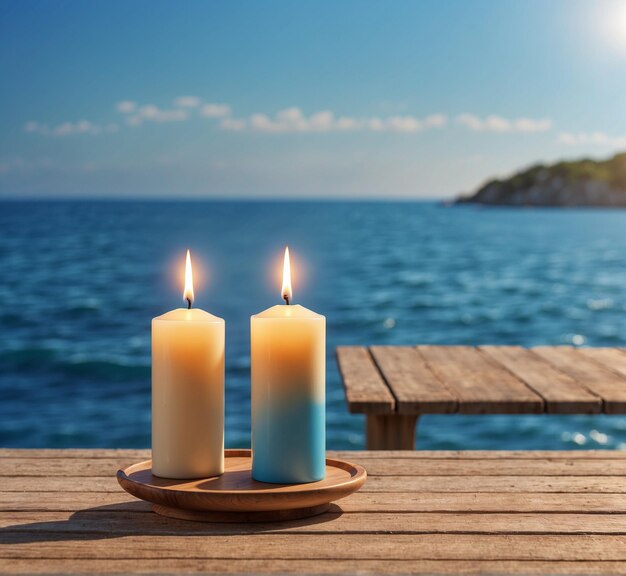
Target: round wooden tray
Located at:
point(235, 496)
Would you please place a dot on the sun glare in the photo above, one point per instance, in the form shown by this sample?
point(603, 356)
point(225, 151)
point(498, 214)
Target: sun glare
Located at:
point(613, 18)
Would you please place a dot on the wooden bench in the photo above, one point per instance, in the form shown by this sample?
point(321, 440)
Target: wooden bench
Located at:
point(63, 512)
point(394, 385)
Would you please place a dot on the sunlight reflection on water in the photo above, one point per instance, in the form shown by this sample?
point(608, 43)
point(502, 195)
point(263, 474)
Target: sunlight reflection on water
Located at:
point(81, 282)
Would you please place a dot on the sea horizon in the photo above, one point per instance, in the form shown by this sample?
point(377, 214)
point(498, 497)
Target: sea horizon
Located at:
point(233, 199)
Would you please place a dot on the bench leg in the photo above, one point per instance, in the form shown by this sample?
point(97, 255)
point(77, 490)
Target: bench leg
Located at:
point(391, 431)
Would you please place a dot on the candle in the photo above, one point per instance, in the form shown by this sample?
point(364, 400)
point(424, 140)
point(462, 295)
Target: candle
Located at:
point(187, 391)
point(288, 391)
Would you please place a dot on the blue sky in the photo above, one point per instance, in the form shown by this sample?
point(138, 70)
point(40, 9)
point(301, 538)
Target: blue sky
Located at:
point(302, 99)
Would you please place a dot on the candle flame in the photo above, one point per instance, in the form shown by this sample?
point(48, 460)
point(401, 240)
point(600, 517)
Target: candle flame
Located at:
point(286, 290)
point(188, 293)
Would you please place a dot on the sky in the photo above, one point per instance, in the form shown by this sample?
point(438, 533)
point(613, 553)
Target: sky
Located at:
point(311, 99)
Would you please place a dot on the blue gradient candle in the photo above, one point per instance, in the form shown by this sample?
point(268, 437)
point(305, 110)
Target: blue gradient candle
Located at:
point(288, 392)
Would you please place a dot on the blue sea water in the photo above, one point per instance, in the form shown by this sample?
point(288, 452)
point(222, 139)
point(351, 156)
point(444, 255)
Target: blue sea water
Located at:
point(80, 282)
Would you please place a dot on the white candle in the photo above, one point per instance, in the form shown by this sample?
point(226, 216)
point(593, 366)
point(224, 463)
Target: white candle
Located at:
point(187, 391)
point(288, 392)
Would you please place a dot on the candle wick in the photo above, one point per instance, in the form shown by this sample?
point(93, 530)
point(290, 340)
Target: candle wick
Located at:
point(286, 298)
point(188, 303)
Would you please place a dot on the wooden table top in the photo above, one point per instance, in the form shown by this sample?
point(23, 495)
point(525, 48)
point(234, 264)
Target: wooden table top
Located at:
point(390, 380)
point(419, 512)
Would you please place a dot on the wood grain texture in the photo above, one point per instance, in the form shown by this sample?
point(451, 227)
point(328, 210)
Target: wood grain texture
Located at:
point(481, 385)
point(501, 467)
point(601, 381)
point(475, 484)
point(562, 394)
point(612, 358)
point(373, 546)
point(361, 455)
point(365, 389)
point(128, 455)
point(292, 566)
point(419, 512)
point(336, 520)
point(483, 380)
point(392, 466)
point(388, 502)
point(472, 484)
point(131, 455)
point(390, 431)
point(415, 387)
point(395, 384)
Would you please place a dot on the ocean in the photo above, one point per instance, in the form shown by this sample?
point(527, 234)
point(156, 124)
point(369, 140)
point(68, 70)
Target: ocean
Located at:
point(81, 281)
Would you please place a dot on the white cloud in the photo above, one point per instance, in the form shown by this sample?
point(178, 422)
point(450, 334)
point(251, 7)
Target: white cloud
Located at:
point(187, 102)
point(592, 138)
point(404, 124)
point(151, 113)
point(347, 123)
point(530, 125)
point(375, 125)
point(322, 121)
point(262, 123)
point(290, 120)
point(81, 127)
point(215, 110)
point(126, 106)
point(470, 121)
point(436, 120)
point(498, 124)
point(68, 128)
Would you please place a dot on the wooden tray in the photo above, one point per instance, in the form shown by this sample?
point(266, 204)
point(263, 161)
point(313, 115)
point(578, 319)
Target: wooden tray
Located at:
point(235, 496)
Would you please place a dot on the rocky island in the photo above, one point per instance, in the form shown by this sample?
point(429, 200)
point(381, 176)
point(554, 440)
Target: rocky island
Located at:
point(579, 183)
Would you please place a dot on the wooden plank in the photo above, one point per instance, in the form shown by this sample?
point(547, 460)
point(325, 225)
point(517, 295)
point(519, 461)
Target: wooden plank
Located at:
point(127, 454)
point(612, 358)
point(481, 385)
point(514, 512)
point(563, 395)
point(483, 502)
point(473, 484)
point(391, 502)
point(361, 456)
point(351, 455)
point(365, 389)
point(502, 467)
point(122, 523)
point(601, 381)
point(299, 566)
point(56, 484)
point(565, 484)
point(22, 545)
point(61, 467)
point(415, 387)
point(375, 467)
point(71, 502)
